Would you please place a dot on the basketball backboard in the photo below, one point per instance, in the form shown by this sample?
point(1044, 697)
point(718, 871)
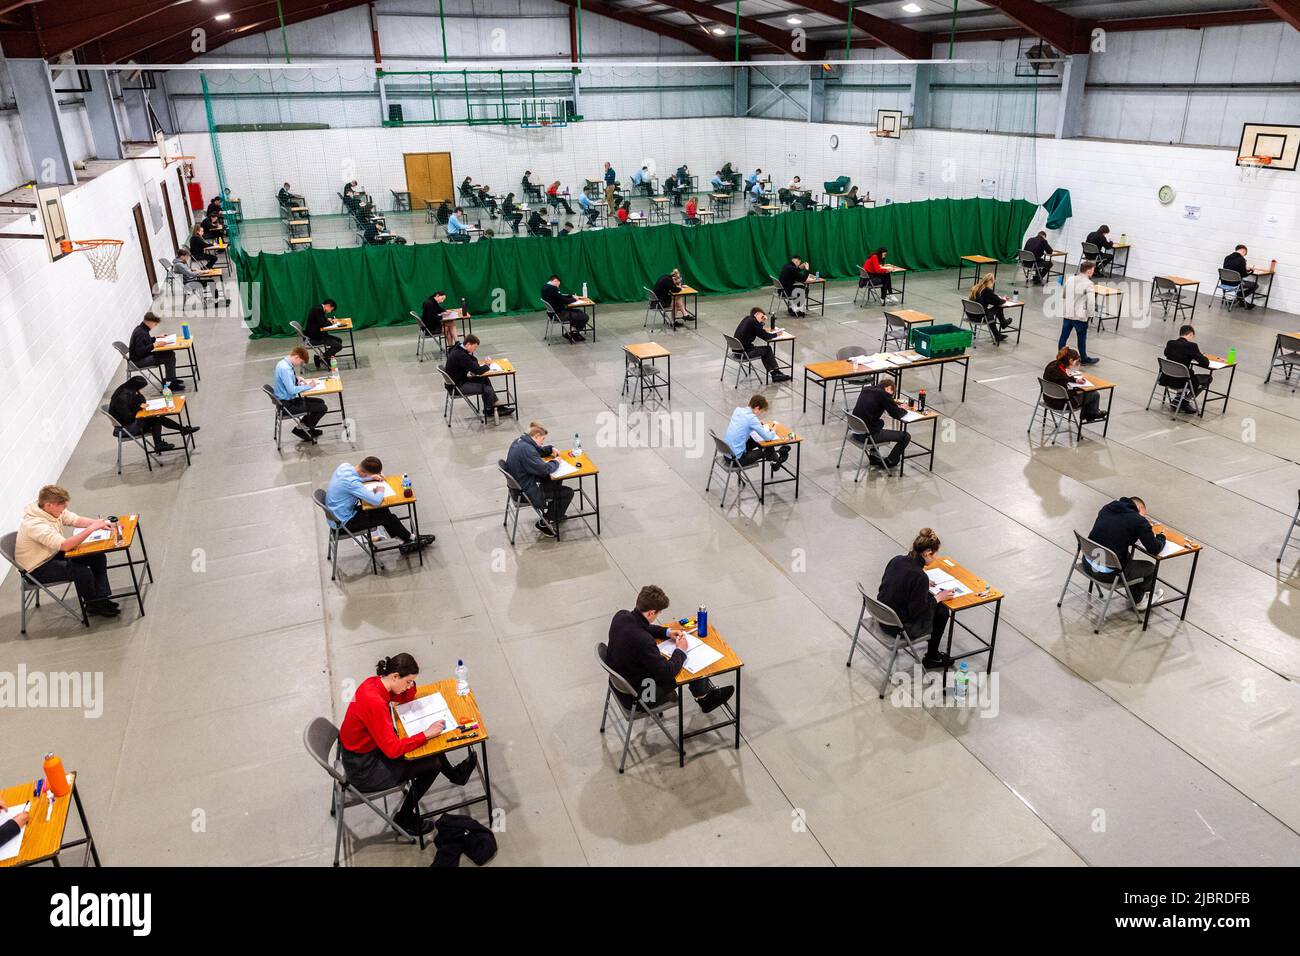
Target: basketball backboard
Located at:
point(1277, 146)
point(50, 205)
point(889, 124)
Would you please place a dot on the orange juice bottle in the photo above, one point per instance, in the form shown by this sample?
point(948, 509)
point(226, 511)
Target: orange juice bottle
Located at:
point(55, 777)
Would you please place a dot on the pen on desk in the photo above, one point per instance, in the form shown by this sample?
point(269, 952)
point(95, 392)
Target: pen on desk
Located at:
point(39, 784)
point(49, 809)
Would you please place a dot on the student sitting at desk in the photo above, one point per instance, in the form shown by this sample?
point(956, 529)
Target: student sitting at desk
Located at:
point(874, 402)
point(143, 355)
point(537, 225)
point(199, 248)
point(684, 175)
point(742, 428)
point(41, 546)
point(1236, 261)
point(589, 209)
point(442, 215)
point(1185, 351)
point(527, 184)
point(982, 292)
point(624, 212)
point(664, 288)
point(719, 184)
point(467, 371)
point(525, 463)
point(437, 318)
point(127, 401)
point(756, 193)
point(561, 304)
point(213, 226)
point(183, 266)
point(347, 489)
point(289, 386)
point(793, 280)
point(13, 826)
point(1119, 526)
point(673, 188)
point(553, 194)
point(752, 178)
point(372, 753)
point(1064, 370)
point(284, 195)
point(906, 588)
point(486, 198)
point(566, 230)
point(692, 212)
point(751, 328)
point(641, 179)
point(1105, 248)
point(632, 652)
point(320, 317)
point(349, 188)
point(1041, 250)
point(876, 273)
point(510, 212)
point(850, 198)
point(456, 225)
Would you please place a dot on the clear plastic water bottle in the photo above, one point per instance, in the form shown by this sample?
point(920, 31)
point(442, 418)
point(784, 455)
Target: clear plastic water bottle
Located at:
point(961, 682)
point(462, 679)
point(334, 366)
point(406, 485)
point(577, 444)
point(167, 396)
point(584, 290)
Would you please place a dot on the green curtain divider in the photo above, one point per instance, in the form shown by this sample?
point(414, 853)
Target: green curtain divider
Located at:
point(379, 285)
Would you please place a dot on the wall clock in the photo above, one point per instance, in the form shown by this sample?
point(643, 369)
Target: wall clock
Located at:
point(1166, 194)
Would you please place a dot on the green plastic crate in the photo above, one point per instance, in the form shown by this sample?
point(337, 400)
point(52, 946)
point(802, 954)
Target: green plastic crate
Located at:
point(938, 341)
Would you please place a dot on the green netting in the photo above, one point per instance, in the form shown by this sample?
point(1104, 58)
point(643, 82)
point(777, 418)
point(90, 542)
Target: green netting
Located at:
point(379, 285)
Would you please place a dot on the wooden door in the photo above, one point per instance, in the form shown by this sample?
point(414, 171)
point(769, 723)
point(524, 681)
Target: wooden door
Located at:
point(171, 223)
point(428, 178)
point(143, 235)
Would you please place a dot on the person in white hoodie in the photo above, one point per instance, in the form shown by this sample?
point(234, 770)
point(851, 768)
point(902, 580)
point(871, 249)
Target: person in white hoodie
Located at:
point(1076, 301)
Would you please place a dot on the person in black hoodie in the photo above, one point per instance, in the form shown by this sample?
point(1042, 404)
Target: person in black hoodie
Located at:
point(466, 371)
point(1101, 239)
point(751, 328)
point(1042, 252)
point(1063, 370)
point(874, 402)
point(127, 401)
point(1119, 526)
point(793, 281)
point(1236, 261)
point(561, 304)
point(1185, 351)
point(537, 225)
point(142, 353)
point(906, 589)
point(633, 653)
point(199, 248)
point(664, 289)
point(437, 318)
point(318, 318)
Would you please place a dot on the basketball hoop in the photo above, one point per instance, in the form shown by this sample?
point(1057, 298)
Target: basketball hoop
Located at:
point(168, 160)
point(102, 254)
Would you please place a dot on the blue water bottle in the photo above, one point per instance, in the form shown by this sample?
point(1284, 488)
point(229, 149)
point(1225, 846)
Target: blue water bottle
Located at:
point(185, 330)
point(702, 622)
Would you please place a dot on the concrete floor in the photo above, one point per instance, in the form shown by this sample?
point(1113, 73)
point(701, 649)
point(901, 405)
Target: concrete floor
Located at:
point(1176, 746)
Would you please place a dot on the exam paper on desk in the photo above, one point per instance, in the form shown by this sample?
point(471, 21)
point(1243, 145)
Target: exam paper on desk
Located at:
point(699, 655)
point(423, 712)
point(11, 849)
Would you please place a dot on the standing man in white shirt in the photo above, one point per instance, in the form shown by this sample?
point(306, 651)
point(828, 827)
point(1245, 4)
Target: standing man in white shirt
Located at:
point(1076, 301)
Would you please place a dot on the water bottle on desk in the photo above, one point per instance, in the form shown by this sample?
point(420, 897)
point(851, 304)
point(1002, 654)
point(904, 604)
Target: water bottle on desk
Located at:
point(577, 444)
point(185, 331)
point(462, 679)
point(584, 290)
point(167, 396)
point(406, 485)
point(1232, 356)
point(702, 622)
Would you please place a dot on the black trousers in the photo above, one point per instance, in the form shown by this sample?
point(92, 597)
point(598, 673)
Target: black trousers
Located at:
point(1041, 268)
point(165, 360)
point(364, 520)
point(483, 389)
point(558, 201)
point(881, 280)
point(152, 427)
point(372, 772)
point(756, 452)
point(1136, 568)
point(575, 318)
point(936, 626)
point(899, 438)
point(88, 573)
point(332, 344)
point(310, 410)
point(555, 498)
point(763, 352)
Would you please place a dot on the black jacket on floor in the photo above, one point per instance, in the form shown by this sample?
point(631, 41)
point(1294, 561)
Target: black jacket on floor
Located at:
point(634, 654)
point(874, 403)
point(905, 587)
point(457, 834)
point(1119, 527)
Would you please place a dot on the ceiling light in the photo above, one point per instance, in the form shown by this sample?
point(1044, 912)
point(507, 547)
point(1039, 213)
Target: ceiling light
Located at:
point(911, 8)
point(718, 31)
point(222, 16)
point(794, 21)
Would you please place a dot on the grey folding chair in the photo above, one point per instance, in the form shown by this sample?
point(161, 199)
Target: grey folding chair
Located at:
point(1028, 264)
point(895, 335)
point(640, 377)
point(663, 314)
point(453, 393)
point(552, 321)
point(152, 372)
point(515, 501)
point(317, 351)
point(337, 530)
point(1290, 541)
point(1287, 359)
point(730, 465)
point(1165, 294)
point(281, 413)
point(778, 295)
point(1062, 418)
point(882, 623)
point(977, 317)
point(1093, 253)
point(169, 273)
point(733, 351)
point(1229, 285)
point(1182, 390)
point(123, 436)
point(1088, 553)
point(620, 691)
point(30, 589)
point(842, 386)
point(321, 738)
point(856, 431)
point(865, 293)
point(422, 336)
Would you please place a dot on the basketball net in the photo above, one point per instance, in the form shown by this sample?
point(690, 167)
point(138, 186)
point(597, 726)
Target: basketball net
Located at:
point(1251, 165)
point(102, 254)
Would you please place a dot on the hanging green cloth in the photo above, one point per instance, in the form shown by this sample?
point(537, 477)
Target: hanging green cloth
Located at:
point(379, 285)
point(1058, 209)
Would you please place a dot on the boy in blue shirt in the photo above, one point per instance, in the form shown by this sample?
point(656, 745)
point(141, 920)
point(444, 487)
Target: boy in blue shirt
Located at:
point(289, 386)
point(347, 489)
point(744, 421)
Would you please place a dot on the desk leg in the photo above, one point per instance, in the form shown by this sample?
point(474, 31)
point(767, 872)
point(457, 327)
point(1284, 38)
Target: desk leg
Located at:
point(596, 479)
point(1187, 598)
point(1155, 581)
point(965, 375)
point(135, 582)
point(738, 673)
point(681, 725)
point(85, 824)
point(670, 378)
point(993, 638)
point(798, 454)
point(942, 366)
point(805, 386)
point(148, 569)
point(1110, 400)
point(947, 652)
point(487, 780)
point(415, 522)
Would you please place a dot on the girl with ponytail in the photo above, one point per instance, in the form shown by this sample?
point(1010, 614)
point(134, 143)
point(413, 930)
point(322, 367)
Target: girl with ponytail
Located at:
point(906, 589)
point(1063, 370)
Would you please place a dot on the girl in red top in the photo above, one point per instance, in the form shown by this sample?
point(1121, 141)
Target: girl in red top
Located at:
point(876, 273)
point(373, 754)
point(692, 210)
point(553, 191)
point(623, 213)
